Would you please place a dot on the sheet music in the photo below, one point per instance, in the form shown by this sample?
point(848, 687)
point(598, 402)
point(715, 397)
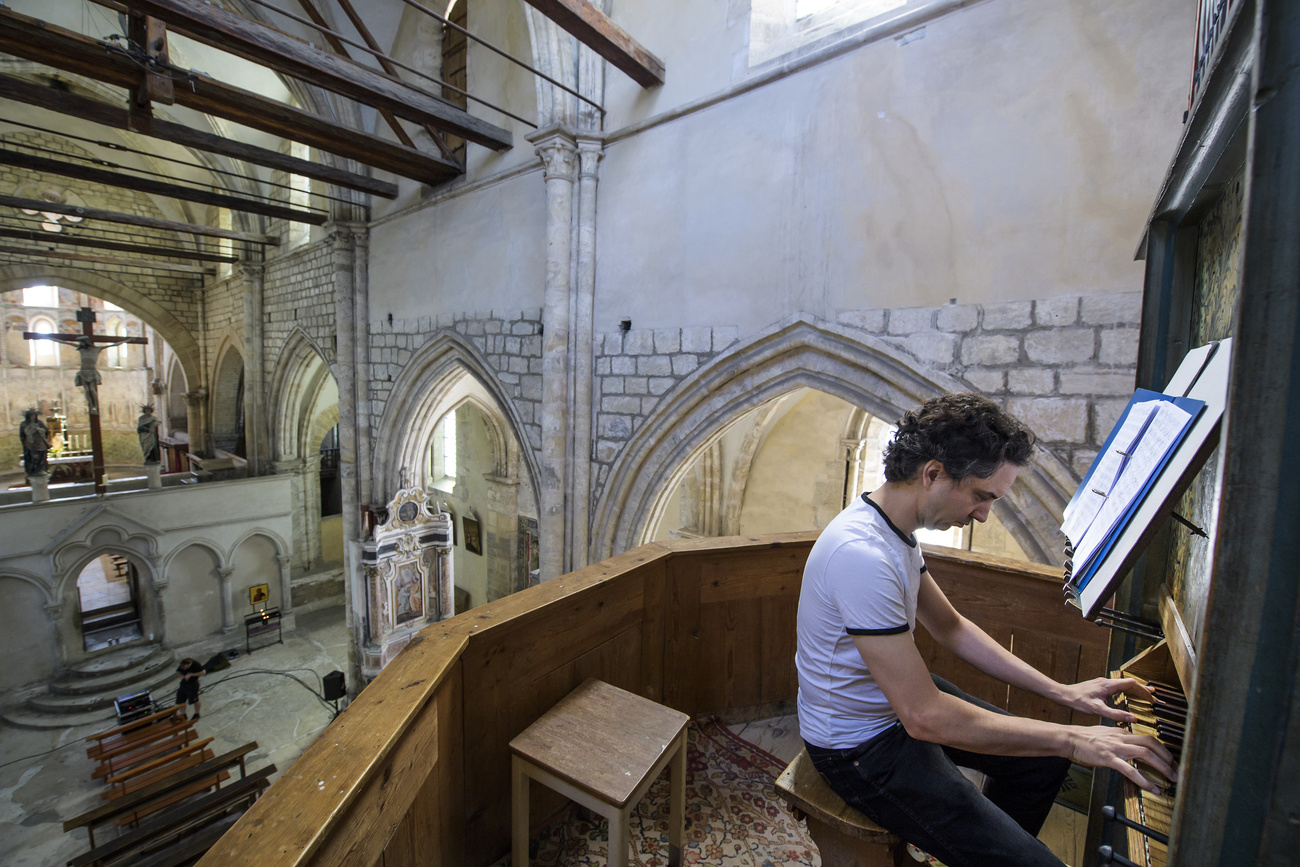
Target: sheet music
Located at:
point(1081, 512)
point(1163, 427)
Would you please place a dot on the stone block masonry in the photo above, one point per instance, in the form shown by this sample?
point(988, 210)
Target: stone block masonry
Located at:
point(510, 341)
point(1064, 365)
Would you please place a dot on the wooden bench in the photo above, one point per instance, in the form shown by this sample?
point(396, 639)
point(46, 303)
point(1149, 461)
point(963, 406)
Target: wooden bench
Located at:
point(181, 833)
point(161, 794)
point(130, 755)
point(844, 836)
point(137, 732)
point(125, 782)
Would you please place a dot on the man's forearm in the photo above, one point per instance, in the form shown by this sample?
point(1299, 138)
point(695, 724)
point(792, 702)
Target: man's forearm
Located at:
point(974, 645)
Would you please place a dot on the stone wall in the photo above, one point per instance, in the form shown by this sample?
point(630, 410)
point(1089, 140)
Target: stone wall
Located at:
point(1065, 366)
point(510, 341)
point(298, 292)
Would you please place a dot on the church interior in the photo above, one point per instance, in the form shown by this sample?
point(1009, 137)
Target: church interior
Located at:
point(475, 348)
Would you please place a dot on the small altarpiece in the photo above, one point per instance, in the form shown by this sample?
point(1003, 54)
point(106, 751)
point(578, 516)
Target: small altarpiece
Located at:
point(407, 566)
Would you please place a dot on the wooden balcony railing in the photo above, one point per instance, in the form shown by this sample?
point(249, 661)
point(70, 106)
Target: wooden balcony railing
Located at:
point(416, 770)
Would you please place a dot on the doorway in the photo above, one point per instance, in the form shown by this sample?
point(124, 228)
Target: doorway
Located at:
point(109, 602)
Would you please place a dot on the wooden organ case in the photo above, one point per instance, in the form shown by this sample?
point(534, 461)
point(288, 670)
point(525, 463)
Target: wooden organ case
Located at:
point(1209, 605)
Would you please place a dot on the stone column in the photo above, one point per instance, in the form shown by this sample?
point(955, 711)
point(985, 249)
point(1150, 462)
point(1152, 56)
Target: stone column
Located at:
point(286, 582)
point(342, 239)
point(557, 149)
point(227, 604)
point(160, 611)
point(294, 469)
point(195, 418)
point(446, 584)
point(55, 612)
point(590, 150)
point(852, 468)
point(256, 431)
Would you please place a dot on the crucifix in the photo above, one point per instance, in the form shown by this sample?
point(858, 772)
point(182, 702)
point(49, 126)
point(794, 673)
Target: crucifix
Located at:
point(89, 345)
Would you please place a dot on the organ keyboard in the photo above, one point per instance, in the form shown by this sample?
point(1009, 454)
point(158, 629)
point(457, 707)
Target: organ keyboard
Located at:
point(1164, 668)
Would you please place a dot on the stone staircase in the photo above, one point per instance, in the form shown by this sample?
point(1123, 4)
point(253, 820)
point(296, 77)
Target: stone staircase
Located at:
point(84, 692)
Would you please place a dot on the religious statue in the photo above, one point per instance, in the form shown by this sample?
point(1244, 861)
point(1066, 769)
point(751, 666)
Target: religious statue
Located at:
point(88, 375)
point(147, 429)
point(35, 437)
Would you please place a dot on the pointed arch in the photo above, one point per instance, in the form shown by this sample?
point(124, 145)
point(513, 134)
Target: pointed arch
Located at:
point(226, 416)
point(800, 352)
point(162, 320)
point(442, 374)
point(300, 378)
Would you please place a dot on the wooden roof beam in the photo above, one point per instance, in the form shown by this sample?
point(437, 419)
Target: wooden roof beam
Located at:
point(598, 32)
point(135, 220)
point(283, 53)
point(160, 188)
point(105, 114)
point(57, 47)
point(120, 246)
point(108, 260)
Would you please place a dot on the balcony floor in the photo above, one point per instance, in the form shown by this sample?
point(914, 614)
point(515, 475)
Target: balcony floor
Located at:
point(580, 837)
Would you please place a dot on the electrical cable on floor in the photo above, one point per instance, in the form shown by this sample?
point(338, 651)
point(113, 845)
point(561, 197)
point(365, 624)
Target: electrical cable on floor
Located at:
point(38, 755)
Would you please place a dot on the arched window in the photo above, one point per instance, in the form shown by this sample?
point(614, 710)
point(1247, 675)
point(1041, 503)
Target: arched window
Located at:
point(44, 353)
point(116, 355)
point(442, 462)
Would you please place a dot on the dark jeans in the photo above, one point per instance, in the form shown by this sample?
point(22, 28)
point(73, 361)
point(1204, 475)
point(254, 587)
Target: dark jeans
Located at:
point(914, 789)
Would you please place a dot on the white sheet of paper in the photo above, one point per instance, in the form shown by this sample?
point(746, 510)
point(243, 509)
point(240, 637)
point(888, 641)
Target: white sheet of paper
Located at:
point(1079, 514)
point(1166, 422)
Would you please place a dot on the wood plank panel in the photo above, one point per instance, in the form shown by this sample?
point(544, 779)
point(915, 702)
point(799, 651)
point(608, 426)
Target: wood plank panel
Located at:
point(1057, 659)
point(960, 673)
point(730, 635)
point(682, 652)
point(432, 834)
point(779, 679)
point(742, 575)
point(654, 621)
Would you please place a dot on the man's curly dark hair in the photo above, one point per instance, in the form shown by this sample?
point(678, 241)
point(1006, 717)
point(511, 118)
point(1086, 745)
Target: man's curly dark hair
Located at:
point(967, 433)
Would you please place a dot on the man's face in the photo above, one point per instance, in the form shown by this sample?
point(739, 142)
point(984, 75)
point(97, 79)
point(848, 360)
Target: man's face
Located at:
point(949, 504)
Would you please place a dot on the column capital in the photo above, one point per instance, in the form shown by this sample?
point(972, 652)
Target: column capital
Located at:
point(558, 149)
point(54, 609)
point(283, 559)
point(196, 397)
point(225, 572)
point(590, 151)
point(251, 272)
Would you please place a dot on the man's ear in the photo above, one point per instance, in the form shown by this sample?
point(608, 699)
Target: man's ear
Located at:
point(930, 473)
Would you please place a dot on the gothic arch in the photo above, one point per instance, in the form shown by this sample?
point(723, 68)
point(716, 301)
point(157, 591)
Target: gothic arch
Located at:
point(800, 352)
point(274, 538)
point(301, 374)
point(78, 559)
point(47, 598)
point(161, 320)
point(196, 542)
point(227, 383)
point(440, 375)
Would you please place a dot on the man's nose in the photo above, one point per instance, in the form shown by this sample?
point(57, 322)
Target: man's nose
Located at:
point(981, 512)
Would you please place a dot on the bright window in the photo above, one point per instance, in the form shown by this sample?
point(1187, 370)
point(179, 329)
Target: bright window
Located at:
point(116, 354)
point(44, 353)
point(443, 454)
point(41, 296)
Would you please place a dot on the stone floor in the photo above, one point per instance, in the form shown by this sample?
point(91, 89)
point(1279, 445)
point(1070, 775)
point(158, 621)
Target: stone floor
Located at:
point(45, 775)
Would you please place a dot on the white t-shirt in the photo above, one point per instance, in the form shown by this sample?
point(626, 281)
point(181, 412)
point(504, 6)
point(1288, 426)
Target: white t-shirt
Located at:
point(861, 578)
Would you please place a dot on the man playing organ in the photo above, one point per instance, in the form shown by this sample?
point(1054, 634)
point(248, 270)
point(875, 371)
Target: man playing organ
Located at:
point(886, 734)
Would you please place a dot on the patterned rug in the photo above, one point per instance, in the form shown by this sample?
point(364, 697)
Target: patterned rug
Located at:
point(733, 815)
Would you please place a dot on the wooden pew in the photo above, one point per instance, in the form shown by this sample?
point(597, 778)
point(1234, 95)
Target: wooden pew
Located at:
point(154, 796)
point(131, 734)
point(129, 755)
point(125, 782)
point(191, 827)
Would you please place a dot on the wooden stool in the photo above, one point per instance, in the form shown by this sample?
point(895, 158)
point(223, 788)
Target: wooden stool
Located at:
point(602, 747)
point(844, 836)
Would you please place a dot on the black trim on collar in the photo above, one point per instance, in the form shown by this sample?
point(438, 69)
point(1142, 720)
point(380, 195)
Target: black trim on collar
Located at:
point(893, 630)
point(910, 540)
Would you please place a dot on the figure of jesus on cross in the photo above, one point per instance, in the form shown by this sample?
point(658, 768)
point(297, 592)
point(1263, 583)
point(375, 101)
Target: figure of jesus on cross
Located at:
point(89, 345)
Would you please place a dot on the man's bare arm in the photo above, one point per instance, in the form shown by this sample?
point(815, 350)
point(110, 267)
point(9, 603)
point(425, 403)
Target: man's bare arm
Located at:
point(934, 716)
point(972, 644)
